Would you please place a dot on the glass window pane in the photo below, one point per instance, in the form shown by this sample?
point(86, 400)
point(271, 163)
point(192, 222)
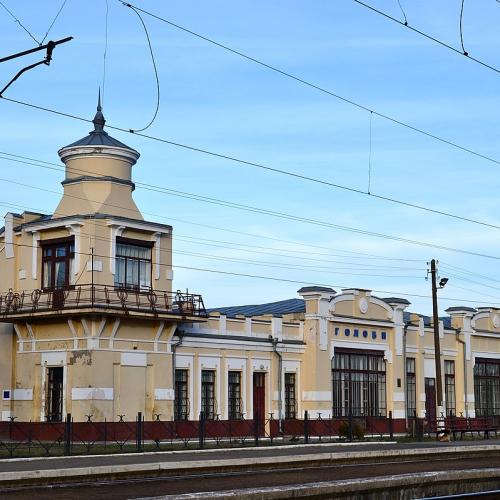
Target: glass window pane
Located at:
point(60, 277)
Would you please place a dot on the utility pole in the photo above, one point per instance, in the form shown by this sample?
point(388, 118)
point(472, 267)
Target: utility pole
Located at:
point(437, 344)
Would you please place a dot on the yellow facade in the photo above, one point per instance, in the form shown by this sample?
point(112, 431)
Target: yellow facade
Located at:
point(90, 325)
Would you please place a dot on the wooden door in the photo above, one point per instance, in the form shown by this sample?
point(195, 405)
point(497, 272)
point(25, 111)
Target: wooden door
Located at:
point(430, 399)
point(259, 400)
point(54, 400)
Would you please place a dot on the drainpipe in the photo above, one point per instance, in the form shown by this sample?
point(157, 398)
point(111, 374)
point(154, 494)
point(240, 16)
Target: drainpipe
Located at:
point(274, 341)
point(174, 346)
point(405, 331)
point(466, 403)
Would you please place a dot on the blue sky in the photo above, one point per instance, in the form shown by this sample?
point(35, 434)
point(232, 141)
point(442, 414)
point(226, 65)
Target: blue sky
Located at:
point(215, 100)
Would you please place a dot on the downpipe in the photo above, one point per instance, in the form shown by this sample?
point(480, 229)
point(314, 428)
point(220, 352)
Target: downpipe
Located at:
point(274, 342)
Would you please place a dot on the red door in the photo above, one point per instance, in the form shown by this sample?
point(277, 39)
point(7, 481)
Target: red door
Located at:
point(259, 400)
point(430, 401)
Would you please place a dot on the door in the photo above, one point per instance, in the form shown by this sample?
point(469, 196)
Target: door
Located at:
point(430, 399)
point(54, 403)
point(259, 400)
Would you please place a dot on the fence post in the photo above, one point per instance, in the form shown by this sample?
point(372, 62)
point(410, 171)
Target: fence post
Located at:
point(391, 426)
point(349, 426)
point(306, 427)
point(201, 430)
point(256, 427)
point(67, 435)
point(138, 433)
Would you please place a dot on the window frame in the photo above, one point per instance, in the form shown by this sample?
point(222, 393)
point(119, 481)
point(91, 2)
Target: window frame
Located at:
point(450, 388)
point(208, 402)
point(484, 385)
point(368, 384)
point(411, 387)
point(290, 395)
point(181, 394)
point(144, 244)
point(68, 258)
point(234, 401)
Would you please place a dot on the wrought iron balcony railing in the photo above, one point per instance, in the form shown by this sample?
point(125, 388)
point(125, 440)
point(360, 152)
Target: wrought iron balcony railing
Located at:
point(106, 298)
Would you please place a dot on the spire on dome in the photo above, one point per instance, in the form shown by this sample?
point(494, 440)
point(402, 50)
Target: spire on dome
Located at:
point(99, 120)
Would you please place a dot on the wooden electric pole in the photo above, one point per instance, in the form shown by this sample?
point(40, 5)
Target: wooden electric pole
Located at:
point(437, 345)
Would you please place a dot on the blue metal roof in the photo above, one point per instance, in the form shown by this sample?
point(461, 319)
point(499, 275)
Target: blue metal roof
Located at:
point(427, 319)
point(275, 308)
point(98, 137)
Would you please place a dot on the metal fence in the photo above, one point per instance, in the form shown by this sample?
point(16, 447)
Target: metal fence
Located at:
point(25, 439)
point(103, 297)
point(21, 439)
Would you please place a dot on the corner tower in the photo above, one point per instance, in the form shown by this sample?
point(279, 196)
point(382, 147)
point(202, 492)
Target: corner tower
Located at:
point(98, 174)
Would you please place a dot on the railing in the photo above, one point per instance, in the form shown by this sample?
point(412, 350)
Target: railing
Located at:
point(107, 298)
point(21, 439)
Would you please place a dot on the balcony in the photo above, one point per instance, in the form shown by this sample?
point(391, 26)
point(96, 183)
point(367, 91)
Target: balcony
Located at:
point(102, 299)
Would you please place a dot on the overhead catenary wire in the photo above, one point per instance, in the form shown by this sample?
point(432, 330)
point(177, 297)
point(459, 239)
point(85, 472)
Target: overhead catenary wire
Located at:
point(403, 12)
point(19, 22)
point(268, 168)
point(319, 88)
point(429, 37)
point(461, 28)
point(280, 215)
point(53, 21)
point(155, 72)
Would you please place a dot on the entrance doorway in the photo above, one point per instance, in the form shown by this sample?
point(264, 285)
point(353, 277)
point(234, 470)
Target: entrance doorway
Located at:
point(430, 399)
point(259, 400)
point(54, 400)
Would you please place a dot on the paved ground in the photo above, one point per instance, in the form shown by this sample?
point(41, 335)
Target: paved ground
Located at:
point(176, 485)
point(218, 454)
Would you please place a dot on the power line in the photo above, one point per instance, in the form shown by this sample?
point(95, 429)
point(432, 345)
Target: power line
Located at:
point(463, 270)
point(366, 267)
point(352, 253)
point(272, 213)
point(19, 22)
point(430, 37)
point(318, 87)
point(54, 20)
point(284, 280)
point(269, 168)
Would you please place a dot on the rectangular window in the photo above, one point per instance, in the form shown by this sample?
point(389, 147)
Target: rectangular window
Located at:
point(181, 402)
point(290, 398)
point(411, 388)
point(234, 396)
point(57, 263)
point(358, 383)
point(487, 387)
point(133, 264)
point(449, 387)
point(208, 403)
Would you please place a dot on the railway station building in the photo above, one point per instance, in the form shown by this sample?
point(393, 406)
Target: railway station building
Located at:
point(90, 324)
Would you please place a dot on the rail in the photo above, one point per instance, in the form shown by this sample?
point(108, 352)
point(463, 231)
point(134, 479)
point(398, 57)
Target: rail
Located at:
point(104, 297)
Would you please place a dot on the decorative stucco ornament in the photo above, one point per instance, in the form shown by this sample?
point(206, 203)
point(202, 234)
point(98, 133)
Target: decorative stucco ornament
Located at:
point(496, 321)
point(363, 305)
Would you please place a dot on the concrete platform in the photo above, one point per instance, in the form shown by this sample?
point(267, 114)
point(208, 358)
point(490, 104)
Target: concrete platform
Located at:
point(42, 471)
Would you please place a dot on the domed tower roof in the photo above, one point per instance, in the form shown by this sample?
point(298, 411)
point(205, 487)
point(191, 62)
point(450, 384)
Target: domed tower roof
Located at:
point(98, 137)
point(98, 174)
